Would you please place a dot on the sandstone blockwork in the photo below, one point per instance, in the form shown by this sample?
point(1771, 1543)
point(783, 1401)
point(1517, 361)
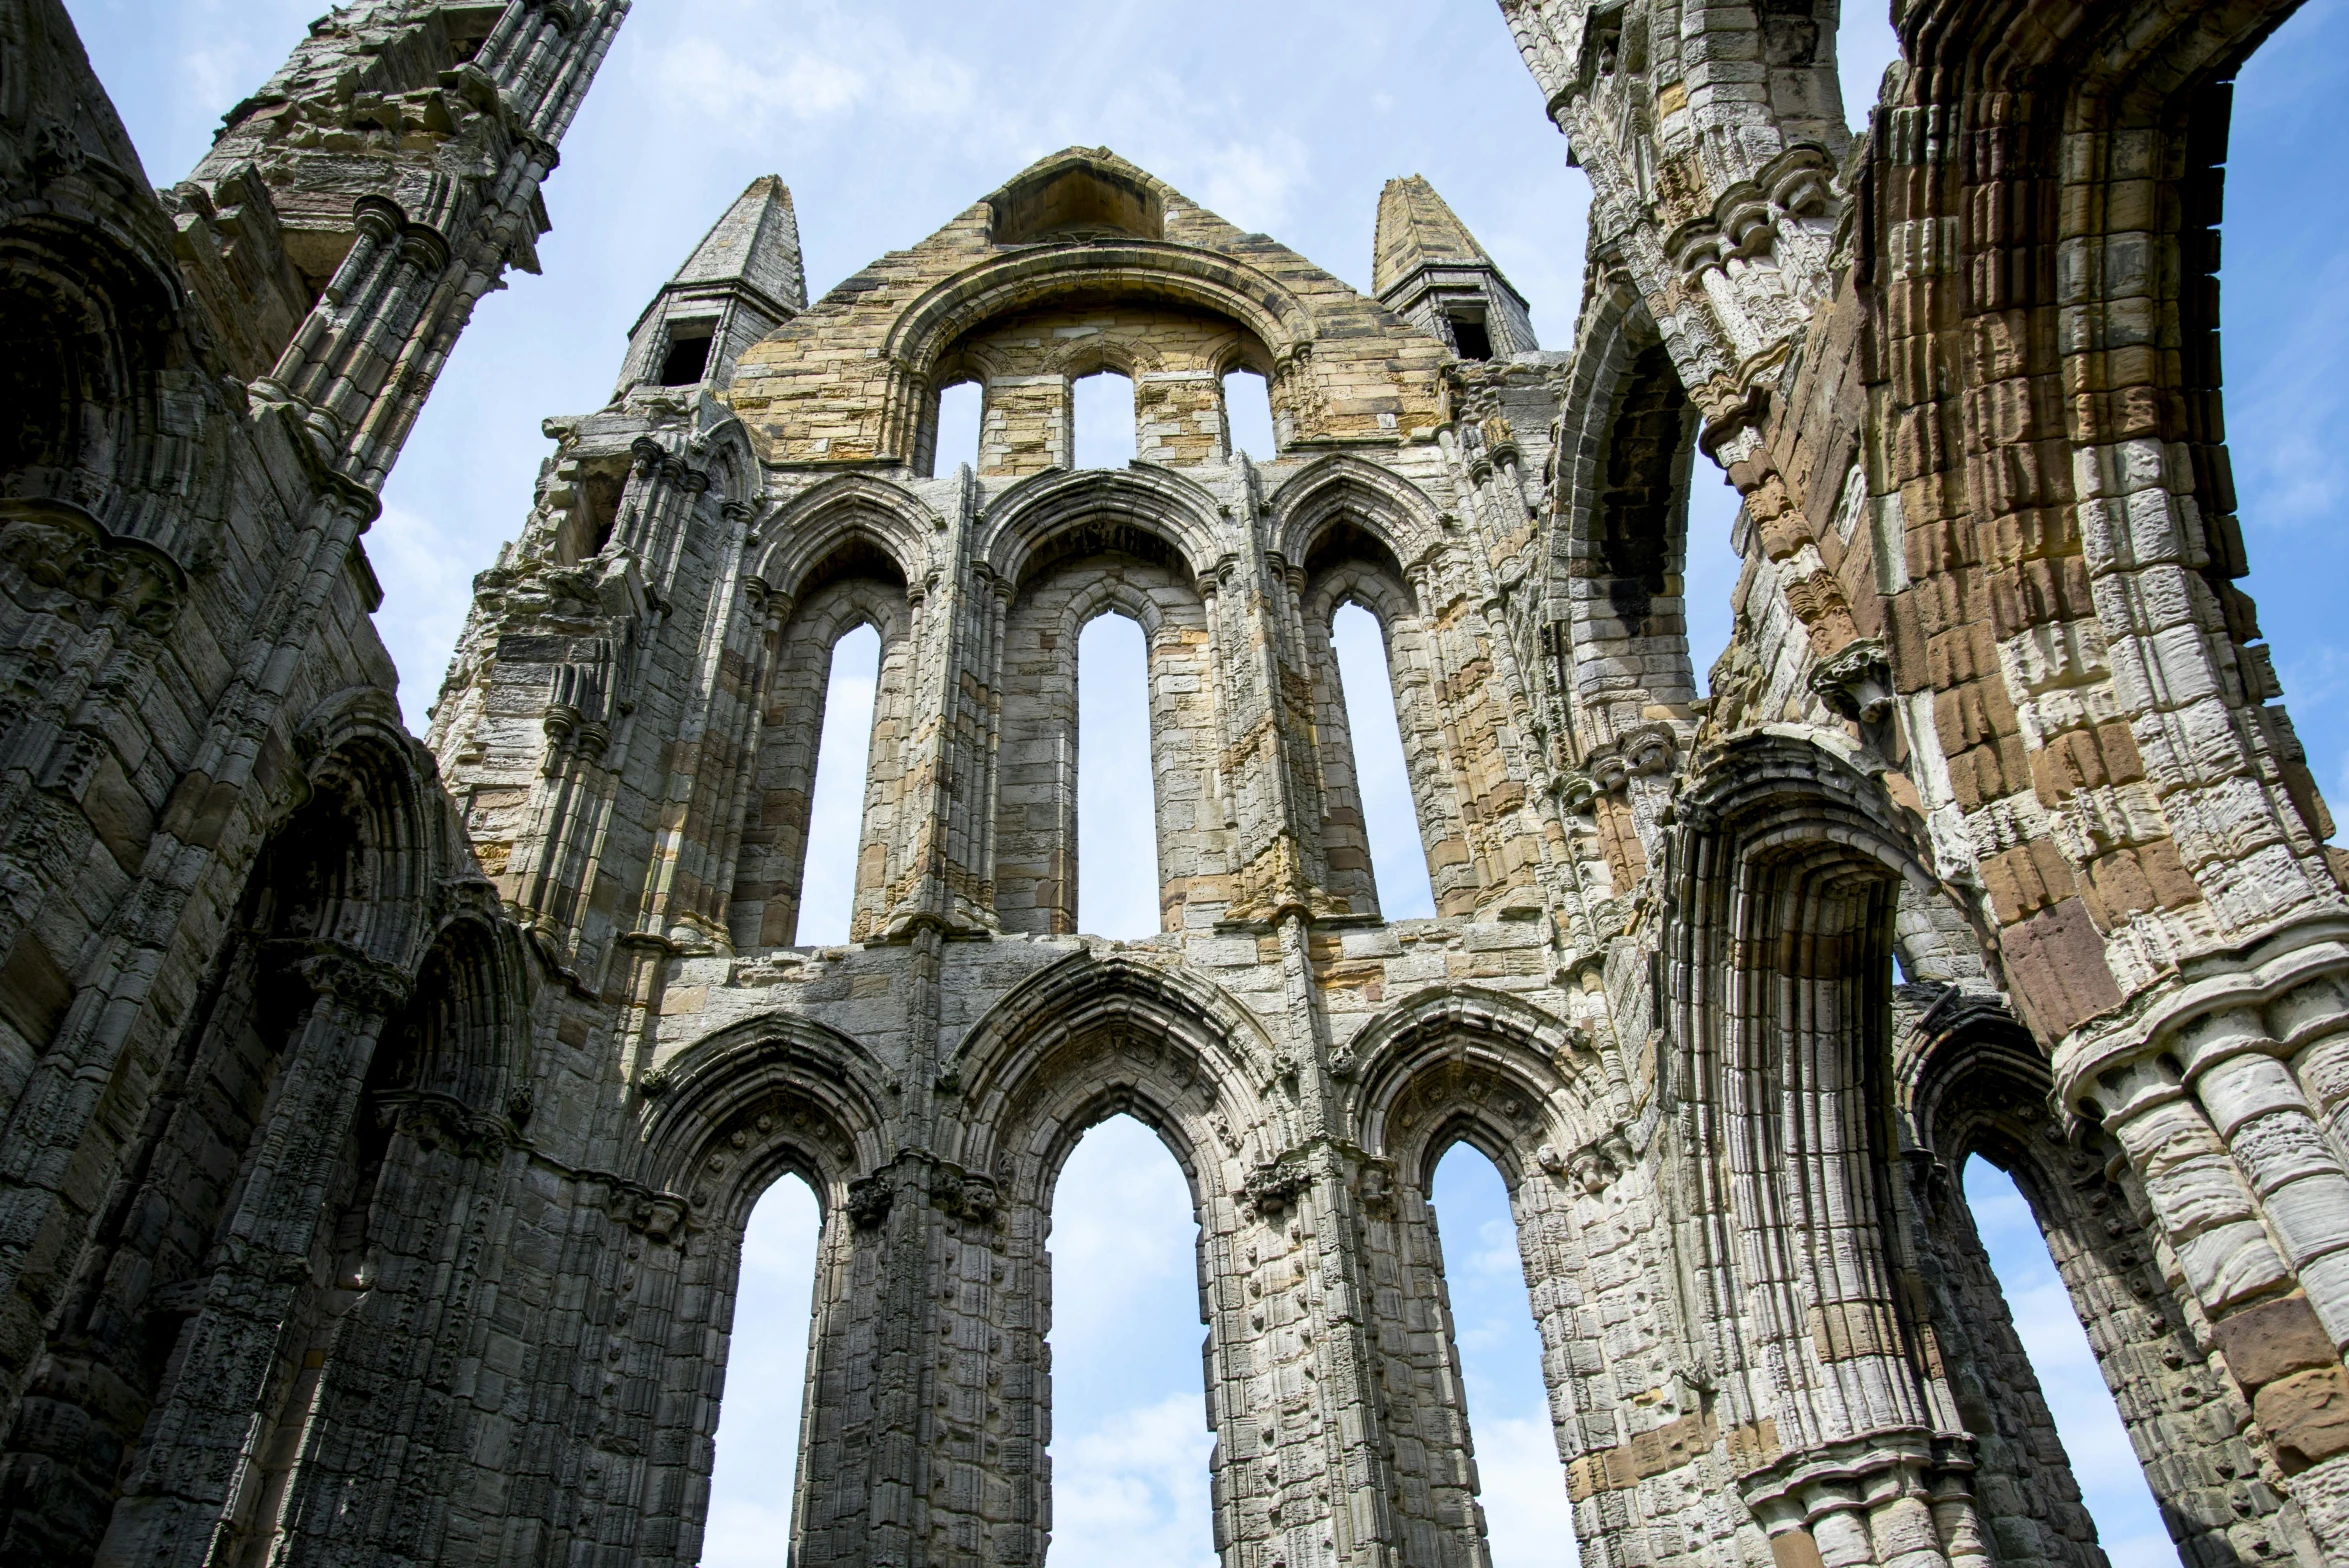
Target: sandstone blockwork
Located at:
point(382, 1116)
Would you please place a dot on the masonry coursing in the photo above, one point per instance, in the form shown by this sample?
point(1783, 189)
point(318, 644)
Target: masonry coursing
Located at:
point(382, 1114)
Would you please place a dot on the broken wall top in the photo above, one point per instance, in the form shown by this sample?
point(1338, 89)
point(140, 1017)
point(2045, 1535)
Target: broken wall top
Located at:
point(854, 378)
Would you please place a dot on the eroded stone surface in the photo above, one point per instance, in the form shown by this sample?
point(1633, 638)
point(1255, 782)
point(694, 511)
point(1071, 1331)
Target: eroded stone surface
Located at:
point(383, 1115)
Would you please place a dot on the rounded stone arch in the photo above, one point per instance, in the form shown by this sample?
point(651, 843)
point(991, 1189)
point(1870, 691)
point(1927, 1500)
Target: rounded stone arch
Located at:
point(92, 305)
point(1060, 513)
point(90, 318)
point(848, 510)
point(1245, 351)
point(1462, 1064)
point(725, 448)
point(1618, 550)
point(1350, 532)
point(462, 1035)
point(1022, 280)
point(377, 837)
point(767, 1097)
point(1782, 877)
point(1020, 1075)
point(844, 569)
point(1780, 813)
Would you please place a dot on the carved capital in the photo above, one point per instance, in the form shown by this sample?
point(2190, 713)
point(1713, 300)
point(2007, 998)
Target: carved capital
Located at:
point(346, 975)
point(83, 569)
point(870, 1198)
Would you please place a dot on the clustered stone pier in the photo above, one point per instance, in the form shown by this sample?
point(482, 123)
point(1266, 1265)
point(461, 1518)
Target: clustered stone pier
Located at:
point(382, 1116)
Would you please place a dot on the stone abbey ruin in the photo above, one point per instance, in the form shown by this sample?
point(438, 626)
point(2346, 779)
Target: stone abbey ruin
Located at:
point(382, 1115)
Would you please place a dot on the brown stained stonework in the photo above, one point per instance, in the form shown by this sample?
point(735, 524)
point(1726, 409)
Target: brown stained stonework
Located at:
point(383, 1116)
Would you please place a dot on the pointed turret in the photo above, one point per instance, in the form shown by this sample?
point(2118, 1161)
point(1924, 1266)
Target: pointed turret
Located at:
point(1429, 270)
point(742, 282)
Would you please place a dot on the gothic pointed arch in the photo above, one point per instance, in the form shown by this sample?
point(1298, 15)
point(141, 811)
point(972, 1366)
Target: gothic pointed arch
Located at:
point(1184, 1030)
point(810, 1098)
point(845, 511)
point(1341, 491)
point(1058, 514)
point(1462, 1063)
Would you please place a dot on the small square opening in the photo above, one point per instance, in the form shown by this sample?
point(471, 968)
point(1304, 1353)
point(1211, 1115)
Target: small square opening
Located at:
point(1470, 338)
point(688, 359)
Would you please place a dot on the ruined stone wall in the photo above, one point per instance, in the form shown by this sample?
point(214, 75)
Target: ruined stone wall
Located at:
point(384, 1117)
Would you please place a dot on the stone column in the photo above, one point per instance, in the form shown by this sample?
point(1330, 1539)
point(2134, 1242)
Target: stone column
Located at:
point(194, 1488)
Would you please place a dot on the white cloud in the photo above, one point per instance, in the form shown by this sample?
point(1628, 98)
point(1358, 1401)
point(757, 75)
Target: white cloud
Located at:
point(427, 586)
point(1133, 1490)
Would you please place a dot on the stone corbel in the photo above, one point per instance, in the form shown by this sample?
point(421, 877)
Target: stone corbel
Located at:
point(1856, 681)
point(1750, 230)
point(1273, 1189)
point(61, 548)
point(963, 1196)
point(1645, 752)
point(870, 1198)
point(1576, 790)
point(435, 1120)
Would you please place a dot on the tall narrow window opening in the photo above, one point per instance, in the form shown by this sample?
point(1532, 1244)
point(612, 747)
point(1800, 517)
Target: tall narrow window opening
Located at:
point(1520, 1480)
point(757, 1464)
point(1247, 412)
point(836, 811)
point(955, 440)
point(1398, 859)
point(1710, 571)
point(1117, 797)
point(1103, 411)
point(2112, 1483)
point(1129, 1450)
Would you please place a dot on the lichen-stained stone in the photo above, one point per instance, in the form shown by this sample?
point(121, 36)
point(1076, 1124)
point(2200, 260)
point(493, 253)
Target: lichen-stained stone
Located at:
point(383, 1115)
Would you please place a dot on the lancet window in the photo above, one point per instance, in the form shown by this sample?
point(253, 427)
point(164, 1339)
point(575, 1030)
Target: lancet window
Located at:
point(857, 586)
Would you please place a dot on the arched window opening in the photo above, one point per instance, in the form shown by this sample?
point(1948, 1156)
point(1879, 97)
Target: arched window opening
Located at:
point(1398, 857)
point(1521, 1483)
point(1117, 799)
point(836, 812)
point(2112, 1484)
point(1129, 1450)
point(1247, 413)
point(954, 436)
point(756, 1469)
point(1102, 409)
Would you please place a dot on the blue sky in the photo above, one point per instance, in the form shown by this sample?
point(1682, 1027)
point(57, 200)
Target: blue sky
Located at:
point(886, 118)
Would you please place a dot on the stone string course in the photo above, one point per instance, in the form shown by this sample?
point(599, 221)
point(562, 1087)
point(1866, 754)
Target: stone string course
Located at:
point(382, 1115)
